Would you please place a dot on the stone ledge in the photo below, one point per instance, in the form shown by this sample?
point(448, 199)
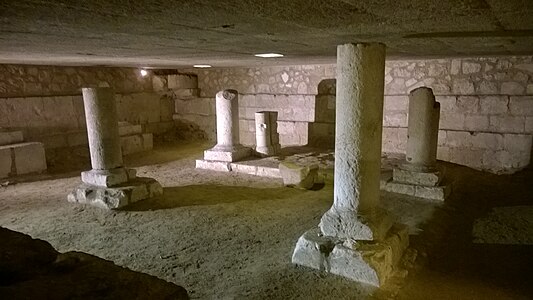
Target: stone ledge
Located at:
point(10, 137)
point(220, 166)
point(240, 167)
point(141, 188)
point(363, 261)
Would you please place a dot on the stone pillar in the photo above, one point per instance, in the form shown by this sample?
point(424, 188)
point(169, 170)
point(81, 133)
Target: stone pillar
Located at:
point(423, 130)
point(266, 133)
point(228, 147)
point(419, 176)
point(356, 239)
point(102, 128)
point(108, 184)
point(359, 115)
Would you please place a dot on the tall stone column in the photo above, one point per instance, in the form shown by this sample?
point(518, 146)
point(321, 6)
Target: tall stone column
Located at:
point(423, 130)
point(228, 147)
point(345, 243)
point(359, 115)
point(108, 184)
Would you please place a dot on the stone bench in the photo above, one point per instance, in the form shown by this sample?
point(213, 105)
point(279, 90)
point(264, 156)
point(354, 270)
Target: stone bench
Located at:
point(22, 158)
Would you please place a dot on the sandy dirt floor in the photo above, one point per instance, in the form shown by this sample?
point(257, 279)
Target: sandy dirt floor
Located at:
point(231, 236)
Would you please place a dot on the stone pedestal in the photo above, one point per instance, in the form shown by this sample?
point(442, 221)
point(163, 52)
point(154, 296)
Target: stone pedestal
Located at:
point(420, 176)
point(266, 133)
point(228, 148)
point(108, 184)
point(356, 239)
point(18, 157)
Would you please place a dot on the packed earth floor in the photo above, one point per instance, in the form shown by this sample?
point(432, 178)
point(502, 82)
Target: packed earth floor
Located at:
point(231, 236)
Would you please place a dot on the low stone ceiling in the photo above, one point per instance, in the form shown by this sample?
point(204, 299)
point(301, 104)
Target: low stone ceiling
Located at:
point(166, 33)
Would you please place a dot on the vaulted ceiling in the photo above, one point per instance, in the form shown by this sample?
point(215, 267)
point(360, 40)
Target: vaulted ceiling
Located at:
point(180, 33)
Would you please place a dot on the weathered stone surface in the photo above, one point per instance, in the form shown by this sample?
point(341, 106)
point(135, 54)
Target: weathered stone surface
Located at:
point(227, 154)
point(350, 225)
point(10, 137)
point(222, 166)
point(417, 178)
point(299, 176)
point(22, 158)
point(32, 269)
point(368, 262)
point(439, 193)
point(140, 188)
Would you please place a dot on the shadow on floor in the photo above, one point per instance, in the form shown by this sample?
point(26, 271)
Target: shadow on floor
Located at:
point(198, 195)
point(449, 265)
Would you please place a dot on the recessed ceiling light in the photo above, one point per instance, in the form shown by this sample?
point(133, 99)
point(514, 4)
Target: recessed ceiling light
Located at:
point(269, 55)
point(144, 72)
point(202, 66)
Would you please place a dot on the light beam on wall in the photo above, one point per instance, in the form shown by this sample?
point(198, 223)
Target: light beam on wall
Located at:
point(202, 66)
point(269, 55)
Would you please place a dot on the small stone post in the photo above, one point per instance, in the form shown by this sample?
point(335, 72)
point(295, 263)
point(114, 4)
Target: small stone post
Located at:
point(266, 133)
point(108, 184)
point(228, 147)
point(423, 130)
point(354, 223)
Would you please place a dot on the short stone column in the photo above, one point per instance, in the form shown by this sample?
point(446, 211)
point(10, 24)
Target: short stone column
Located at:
point(228, 148)
point(354, 223)
point(420, 176)
point(108, 184)
point(266, 133)
point(423, 130)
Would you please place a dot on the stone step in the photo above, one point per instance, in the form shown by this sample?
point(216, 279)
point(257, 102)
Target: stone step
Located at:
point(247, 167)
point(10, 137)
point(22, 158)
point(125, 128)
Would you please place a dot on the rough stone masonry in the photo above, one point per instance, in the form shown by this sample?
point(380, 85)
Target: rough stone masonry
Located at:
point(108, 185)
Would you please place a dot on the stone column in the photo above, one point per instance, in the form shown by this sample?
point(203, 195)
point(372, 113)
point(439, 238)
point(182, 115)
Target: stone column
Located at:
point(266, 133)
point(102, 128)
point(359, 115)
point(423, 130)
point(108, 184)
point(228, 147)
point(346, 244)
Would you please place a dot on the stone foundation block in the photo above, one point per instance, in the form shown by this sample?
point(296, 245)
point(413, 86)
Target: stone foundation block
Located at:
point(130, 192)
point(369, 262)
point(108, 178)
point(230, 155)
point(221, 166)
point(439, 193)
point(22, 158)
point(299, 176)
point(10, 137)
point(256, 170)
point(136, 143)
point(417, 178)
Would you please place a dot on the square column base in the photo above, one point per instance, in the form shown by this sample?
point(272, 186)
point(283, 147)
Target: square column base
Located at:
point(369, 262)
point(108, 178)
point(141, 188)
point(411, 185)
point(228, 155)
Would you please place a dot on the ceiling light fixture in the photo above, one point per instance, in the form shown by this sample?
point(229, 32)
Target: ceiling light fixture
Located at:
point(202, 66)
point(144, 72)
point(269, 55)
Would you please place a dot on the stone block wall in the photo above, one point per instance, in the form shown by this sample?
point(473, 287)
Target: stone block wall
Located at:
point(486, 105)
point(45, 102)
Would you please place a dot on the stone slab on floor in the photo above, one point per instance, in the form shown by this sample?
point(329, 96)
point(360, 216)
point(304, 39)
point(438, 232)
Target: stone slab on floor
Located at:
point(369, 262)
point(439, 193)
point(140, 188)
point(417, 178)
point(251, 167)
point(10, 137)
point(22, 158)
